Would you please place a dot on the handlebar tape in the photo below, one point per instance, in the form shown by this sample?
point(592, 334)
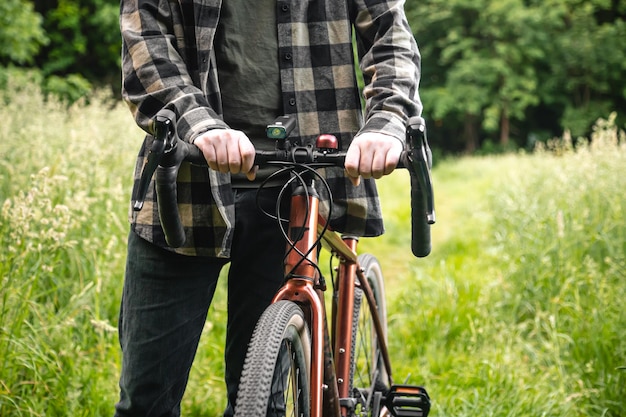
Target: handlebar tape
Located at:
point(170, 157)
point(422, 209)
point(420, 227)
point(166, 188)
point(168, 206)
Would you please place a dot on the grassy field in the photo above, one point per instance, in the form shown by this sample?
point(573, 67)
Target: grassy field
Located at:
point(518, 311)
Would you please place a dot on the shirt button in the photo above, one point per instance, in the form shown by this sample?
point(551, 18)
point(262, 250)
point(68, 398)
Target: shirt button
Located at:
point(284, 7)
point(288, 56)
point(292, 101)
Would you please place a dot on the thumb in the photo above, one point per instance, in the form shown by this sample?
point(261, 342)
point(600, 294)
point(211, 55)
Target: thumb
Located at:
point(251, 175)
point(354, 180)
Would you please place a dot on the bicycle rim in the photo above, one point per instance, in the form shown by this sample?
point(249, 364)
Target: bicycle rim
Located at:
point(368, 374)
point(275, 377)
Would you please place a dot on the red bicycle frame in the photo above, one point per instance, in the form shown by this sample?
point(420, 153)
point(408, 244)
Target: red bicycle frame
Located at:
point(328, 380)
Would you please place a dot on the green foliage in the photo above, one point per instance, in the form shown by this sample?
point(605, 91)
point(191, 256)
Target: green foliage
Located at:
point(14, 81)
point(65, 178)
point(487, 51)
point(21, 34)
point(83, 46)
point(499, 69)
point(587, 62)
point(564, 243)
point(75, 44)
point(69, 88)
point(84, 38)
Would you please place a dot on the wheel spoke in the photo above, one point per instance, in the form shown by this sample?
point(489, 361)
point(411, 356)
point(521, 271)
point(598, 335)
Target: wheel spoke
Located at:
point(367, 365)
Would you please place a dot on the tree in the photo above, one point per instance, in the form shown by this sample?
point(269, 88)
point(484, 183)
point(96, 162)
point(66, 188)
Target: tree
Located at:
point(486, 51)
point(84, 47)
point(21, 33)
point(501, 69)
point(587, 61)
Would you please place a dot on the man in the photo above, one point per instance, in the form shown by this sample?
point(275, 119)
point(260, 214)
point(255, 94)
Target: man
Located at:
point(228, 68)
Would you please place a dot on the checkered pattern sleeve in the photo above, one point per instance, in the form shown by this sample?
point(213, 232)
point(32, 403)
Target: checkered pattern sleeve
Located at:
point(390, 63)
point(160, 64)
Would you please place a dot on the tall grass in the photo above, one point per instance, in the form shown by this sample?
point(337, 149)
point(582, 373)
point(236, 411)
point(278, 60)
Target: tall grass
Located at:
point(64, 176)
point(518, 311)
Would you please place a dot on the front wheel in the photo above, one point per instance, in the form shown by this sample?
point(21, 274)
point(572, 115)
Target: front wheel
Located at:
point(275, 376)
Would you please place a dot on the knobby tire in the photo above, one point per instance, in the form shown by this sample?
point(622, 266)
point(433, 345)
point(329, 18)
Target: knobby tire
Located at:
point(275, 377)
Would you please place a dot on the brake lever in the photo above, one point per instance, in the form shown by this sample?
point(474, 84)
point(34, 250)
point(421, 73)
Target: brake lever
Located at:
point(164, 142)
point(420, 162)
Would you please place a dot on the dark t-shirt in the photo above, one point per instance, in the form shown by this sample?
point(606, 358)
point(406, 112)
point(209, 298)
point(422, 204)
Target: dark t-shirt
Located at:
point(246, 49)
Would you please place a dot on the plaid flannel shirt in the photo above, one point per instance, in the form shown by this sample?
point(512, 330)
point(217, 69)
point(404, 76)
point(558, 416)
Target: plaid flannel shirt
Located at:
point(168, 62)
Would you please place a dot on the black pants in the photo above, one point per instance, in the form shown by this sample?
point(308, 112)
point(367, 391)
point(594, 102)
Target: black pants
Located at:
point(165, 301)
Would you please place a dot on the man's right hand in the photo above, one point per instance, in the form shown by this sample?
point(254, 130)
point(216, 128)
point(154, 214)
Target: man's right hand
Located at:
point(227, 150)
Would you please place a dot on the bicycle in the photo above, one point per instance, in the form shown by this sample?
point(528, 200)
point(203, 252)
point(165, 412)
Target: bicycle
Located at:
point(296, 363)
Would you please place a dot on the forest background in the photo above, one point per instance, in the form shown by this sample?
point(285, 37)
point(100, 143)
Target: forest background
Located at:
point(496, 74)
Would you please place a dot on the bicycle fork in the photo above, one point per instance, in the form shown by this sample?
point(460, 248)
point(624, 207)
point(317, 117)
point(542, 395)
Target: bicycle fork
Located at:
point(302, 285)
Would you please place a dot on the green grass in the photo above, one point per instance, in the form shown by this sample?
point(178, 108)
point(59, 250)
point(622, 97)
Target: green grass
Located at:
point(517, 311)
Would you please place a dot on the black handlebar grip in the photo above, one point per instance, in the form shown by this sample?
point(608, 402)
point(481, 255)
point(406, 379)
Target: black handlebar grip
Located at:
point(420, 226)
point(168, 205)
point(167, 192)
